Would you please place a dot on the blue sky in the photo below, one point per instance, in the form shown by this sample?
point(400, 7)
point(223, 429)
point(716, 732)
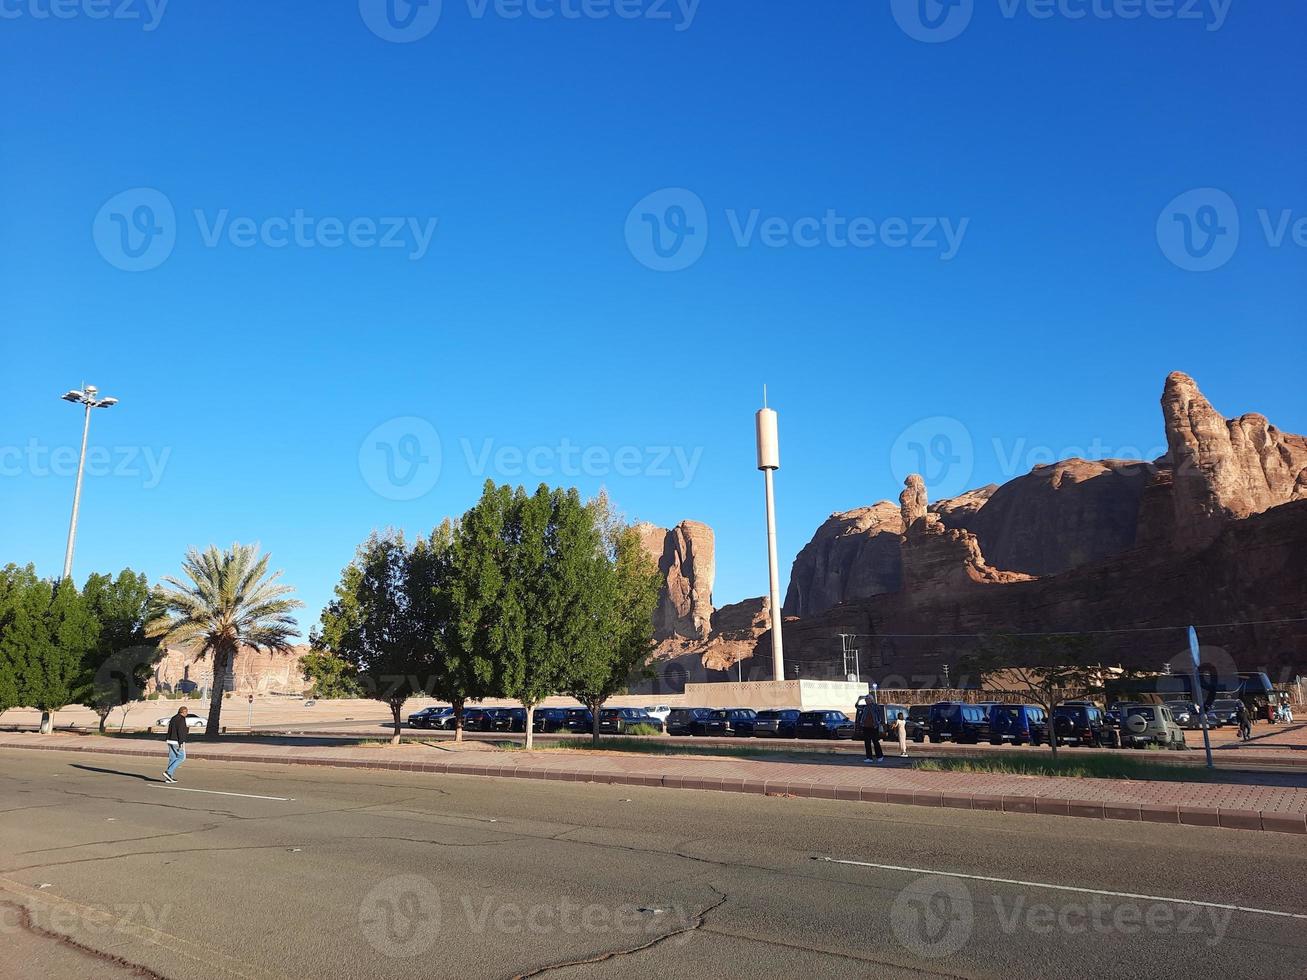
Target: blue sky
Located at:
point(967, 238)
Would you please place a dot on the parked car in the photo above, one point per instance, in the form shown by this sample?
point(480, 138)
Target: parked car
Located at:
point(726, 722)
point(1082, 723)
point(620, 721)
point(580, 721)
point(506, 720)
point(681, 721)
point(431, 717)
point(1150, 724)
point(918, 722)
point(824, 724)
point(957, 721)
point(1226, 711)
point(778, 723)
point(1187, 714)
point(881, 717)
point(1016, 723)
point(547, 720)
point(476, 720)
point(192, 721)
point(659, 711)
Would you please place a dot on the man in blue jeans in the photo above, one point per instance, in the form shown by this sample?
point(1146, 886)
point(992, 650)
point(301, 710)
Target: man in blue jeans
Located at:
point(176, 744)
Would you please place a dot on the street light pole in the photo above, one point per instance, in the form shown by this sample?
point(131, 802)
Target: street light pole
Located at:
point(87, 398)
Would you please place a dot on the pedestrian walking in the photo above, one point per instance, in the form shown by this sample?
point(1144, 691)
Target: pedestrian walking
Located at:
point(176, 744)
point(901, 729)
point(871, 736)
point(1245, 722)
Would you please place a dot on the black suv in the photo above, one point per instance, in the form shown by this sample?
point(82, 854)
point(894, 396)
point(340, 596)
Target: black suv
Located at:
point(1083, 724)
point(918, 722)
point(683, 721)
point(957, 721)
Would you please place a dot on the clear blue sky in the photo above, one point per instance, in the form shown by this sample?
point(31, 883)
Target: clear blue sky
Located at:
point(256, 373)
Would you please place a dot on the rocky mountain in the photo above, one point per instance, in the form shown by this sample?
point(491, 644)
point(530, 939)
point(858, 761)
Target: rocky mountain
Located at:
point(1214, 531)
point(685, 557)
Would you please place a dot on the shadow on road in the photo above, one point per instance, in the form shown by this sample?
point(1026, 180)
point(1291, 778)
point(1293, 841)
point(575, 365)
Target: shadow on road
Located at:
point(118, 772)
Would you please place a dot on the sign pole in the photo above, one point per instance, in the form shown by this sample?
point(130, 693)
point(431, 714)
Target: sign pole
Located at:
point(1202, 707)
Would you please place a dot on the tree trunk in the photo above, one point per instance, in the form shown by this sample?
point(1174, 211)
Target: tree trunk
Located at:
point(458, 721)
point(395, 707)
point(530, 726)
point(47, 721)
point(104, 720)
point(594, 721)
point(221, 658)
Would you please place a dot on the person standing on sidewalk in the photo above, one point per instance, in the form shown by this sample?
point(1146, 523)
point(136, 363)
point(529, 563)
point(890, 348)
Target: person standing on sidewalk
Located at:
point(901, 729)
point(176, 744)
point(871, 735)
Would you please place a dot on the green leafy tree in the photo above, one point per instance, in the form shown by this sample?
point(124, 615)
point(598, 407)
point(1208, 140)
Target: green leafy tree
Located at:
point(479, 626)
point(228, 600)
point(117, 670)
point(332, 677)
point(624, 633)
point(375, 626)
point(46, 632)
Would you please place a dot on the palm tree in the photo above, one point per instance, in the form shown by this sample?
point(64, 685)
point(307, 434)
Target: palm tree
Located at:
point(229, 601)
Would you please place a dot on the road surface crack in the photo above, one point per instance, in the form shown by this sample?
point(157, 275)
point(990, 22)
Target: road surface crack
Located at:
point(26, 923)
point(697, 924)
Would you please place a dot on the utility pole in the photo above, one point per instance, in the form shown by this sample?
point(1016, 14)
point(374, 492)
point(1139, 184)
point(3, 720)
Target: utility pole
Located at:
point(87, 397)
point(769, 460)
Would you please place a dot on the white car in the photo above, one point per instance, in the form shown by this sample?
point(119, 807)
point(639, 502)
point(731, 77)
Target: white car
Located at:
point(192, 721)
point(659, 711)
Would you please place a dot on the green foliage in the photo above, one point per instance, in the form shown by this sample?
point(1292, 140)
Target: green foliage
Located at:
point(1113, 765)
point(117, 670)
point(46, 632)
point(228, 600)
point(332, 677)
point(642, 729)
point(379, 623)
point(625, 630)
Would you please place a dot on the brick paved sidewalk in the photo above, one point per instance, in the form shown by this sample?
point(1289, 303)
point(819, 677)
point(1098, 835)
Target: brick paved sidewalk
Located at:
point(1232, 805)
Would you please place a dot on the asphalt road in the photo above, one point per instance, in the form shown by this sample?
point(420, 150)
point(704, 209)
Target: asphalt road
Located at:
point(343, 873)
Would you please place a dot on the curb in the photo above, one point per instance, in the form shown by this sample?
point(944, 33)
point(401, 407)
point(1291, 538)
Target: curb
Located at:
point(1266, 821)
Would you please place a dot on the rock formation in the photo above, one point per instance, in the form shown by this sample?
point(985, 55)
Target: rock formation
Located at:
point(853, 555)
point(1129, 551)
point(685, 557)
point(1058, 516)
point(1225, 469)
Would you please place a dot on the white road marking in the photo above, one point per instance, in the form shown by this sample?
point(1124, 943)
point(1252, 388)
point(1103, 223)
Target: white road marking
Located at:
point(1070, 888)
point(217, 792)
